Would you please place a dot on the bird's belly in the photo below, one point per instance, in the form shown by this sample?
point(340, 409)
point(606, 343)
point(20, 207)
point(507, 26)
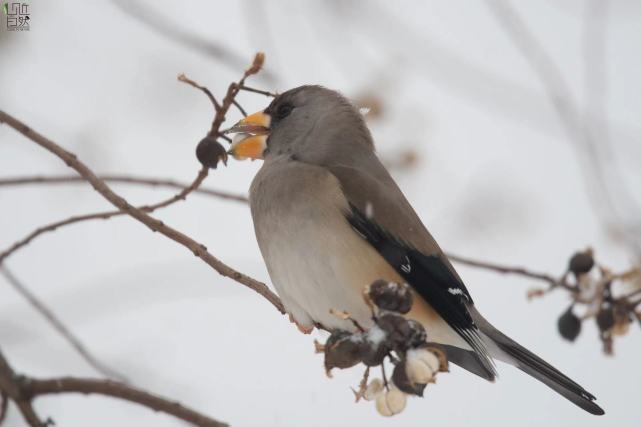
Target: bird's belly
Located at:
point(316, 270)
point(316, 267)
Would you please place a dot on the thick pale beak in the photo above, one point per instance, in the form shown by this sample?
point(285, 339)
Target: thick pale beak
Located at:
point(250, 140)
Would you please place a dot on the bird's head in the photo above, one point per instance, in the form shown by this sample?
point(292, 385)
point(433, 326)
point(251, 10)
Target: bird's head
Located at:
point(308, 123)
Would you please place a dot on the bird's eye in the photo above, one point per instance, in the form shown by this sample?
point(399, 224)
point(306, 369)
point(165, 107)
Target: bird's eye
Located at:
point(283, 110)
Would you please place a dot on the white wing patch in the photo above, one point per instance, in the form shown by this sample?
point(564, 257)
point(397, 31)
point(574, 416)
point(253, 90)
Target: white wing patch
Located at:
point(407, 267)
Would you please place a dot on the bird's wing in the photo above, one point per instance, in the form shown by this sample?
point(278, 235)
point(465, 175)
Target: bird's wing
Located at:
point(379, 212)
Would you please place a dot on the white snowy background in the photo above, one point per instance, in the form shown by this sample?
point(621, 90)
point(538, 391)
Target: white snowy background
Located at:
point(498, 179)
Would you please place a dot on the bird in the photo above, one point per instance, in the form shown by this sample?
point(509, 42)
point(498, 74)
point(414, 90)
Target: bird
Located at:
point(329, 220)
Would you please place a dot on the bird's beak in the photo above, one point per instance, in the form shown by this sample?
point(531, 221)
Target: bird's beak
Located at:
point(250, 140)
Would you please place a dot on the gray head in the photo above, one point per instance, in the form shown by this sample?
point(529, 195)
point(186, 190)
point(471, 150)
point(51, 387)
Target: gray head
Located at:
point(308, 123)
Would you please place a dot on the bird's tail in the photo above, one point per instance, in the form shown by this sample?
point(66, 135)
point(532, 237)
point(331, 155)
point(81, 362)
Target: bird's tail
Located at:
point(512, 352)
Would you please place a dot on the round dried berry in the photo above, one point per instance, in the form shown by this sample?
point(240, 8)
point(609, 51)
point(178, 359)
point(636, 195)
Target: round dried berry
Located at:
point(343, 350)
point(417, 334)
point(209, 152)
point(391, 296)
point(581, 262)
point(569, 325)
point(375, 346)
point(402, 333)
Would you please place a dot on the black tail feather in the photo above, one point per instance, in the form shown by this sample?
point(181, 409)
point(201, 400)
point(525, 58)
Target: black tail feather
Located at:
point(538, 368)
point(547, 374)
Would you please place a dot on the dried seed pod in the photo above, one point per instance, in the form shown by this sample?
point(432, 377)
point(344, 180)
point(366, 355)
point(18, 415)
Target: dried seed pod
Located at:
point(569, 325)
point(373, 389)
point(395, 326)
point(402, 333)
point(605, 318)
point(581, 262)
point(422, 365)
point(621, 328)
point(209, 152)
point(401, 379)
point(622, 322)
point(441, 355)
point(375, 346)
point(391, 296)
point(342, 350)
point(391, 402)
point(417, 335)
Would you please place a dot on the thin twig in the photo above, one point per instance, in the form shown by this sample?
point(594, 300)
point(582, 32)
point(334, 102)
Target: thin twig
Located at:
point(510, 270)
point(182, 195)
point(120, 179)
point(232, 91)
point(258, 91)
point(55, 321)
point(240, 108)
point(183, 78)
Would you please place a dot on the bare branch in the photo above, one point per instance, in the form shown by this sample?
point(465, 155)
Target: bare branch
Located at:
point(120, 179)
point(22, 390)
point(139, 214)
point(504, 269)
point(258, 91)
point(183, 78)
point(240, 108)
point(39, 387)
point(9, 387)
point(182, 195)
point(46, 312)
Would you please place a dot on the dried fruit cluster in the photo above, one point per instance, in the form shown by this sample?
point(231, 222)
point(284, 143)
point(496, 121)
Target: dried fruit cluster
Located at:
point(612, 299)
point(394, 337)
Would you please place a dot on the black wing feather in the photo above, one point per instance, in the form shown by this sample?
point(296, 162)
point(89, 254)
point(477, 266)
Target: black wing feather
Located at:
point(429, 276)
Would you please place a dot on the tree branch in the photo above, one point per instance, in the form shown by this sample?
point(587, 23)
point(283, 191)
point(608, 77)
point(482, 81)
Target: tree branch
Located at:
point(504, 269)
point(182, 195)
point(10, 388)
point(22, 390)
point(152, 223)
point(119, 179)
point(40, 307)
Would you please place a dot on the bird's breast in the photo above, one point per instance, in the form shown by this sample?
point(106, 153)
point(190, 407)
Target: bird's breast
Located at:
point(315, 259)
